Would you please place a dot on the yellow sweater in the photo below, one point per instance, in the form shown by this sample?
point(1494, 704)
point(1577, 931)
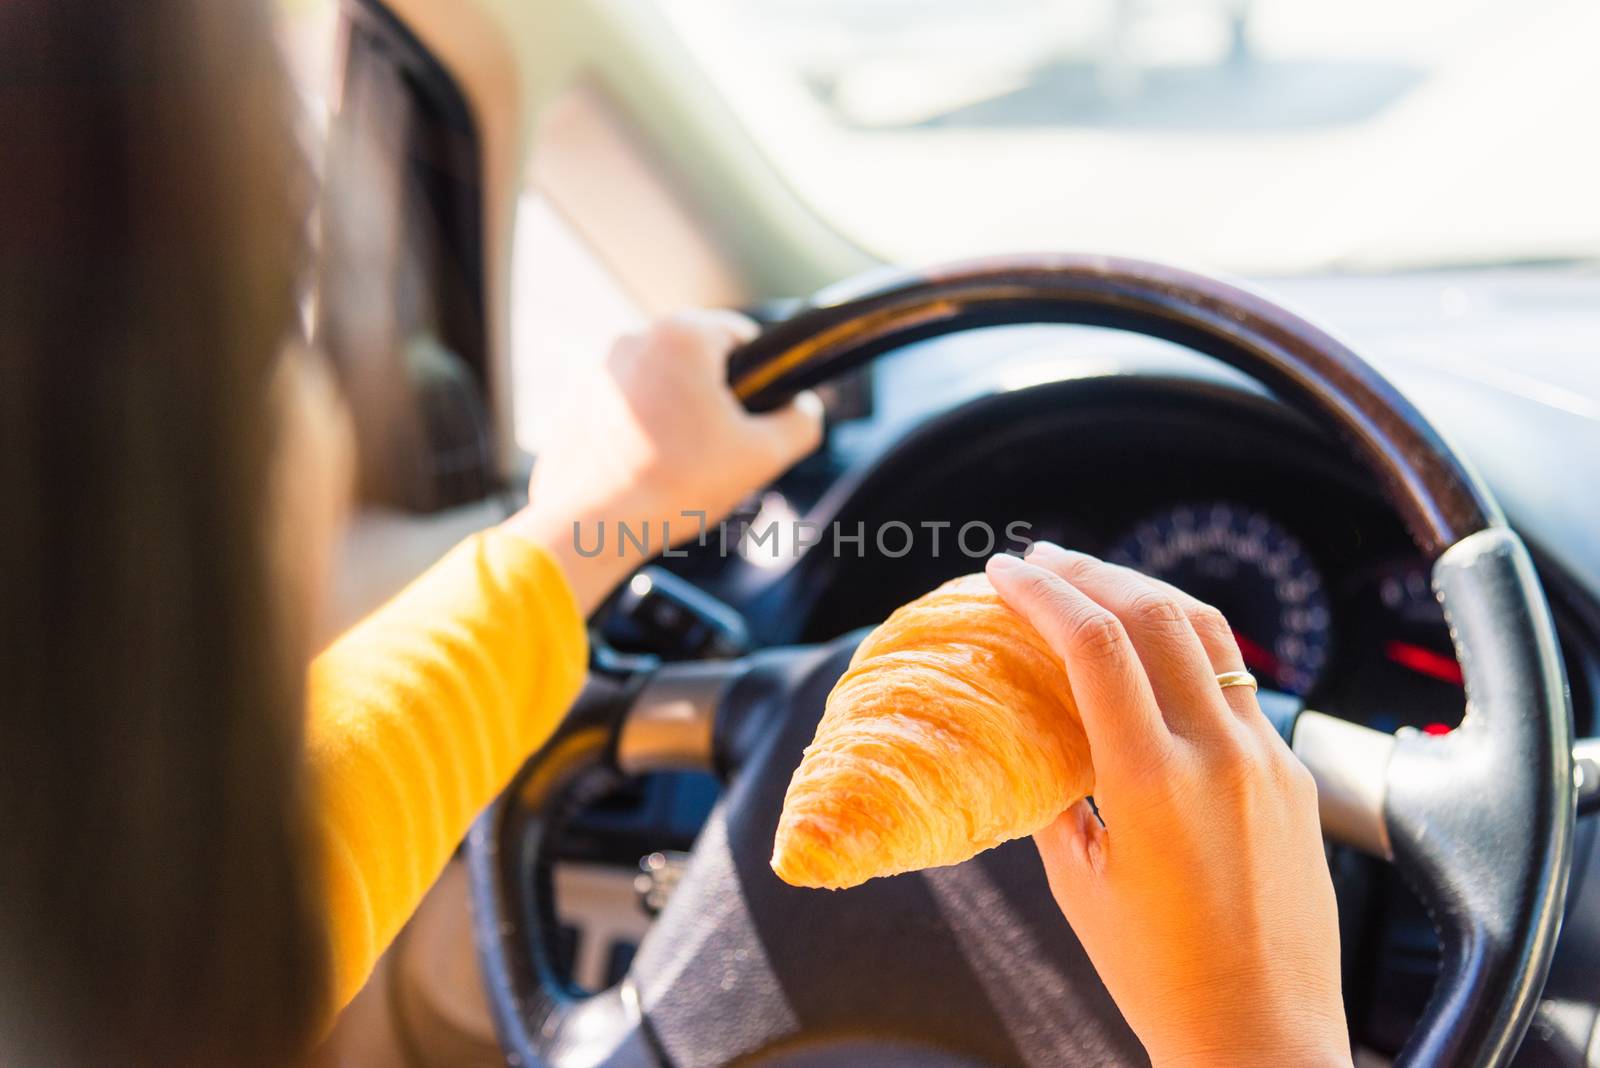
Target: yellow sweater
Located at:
point(419, 716)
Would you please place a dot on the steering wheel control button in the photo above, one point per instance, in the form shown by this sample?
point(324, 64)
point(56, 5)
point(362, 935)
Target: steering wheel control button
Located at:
point(658, 877)
point(659, 612)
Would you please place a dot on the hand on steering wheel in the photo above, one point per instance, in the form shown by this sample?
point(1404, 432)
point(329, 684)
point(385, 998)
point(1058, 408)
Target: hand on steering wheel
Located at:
point(631, 445)
point(1204, 900)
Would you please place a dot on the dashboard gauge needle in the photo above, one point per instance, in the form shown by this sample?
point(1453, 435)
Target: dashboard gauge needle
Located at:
point(1257, 657)
point(1424, 661)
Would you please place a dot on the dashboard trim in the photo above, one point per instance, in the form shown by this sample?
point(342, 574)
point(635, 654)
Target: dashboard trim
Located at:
point(1351, 765)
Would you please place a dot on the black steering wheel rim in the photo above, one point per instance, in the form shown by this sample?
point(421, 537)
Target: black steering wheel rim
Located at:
point(1480, 822)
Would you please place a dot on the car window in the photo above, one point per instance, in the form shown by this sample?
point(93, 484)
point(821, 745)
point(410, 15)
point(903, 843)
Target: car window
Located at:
point(1264, 136)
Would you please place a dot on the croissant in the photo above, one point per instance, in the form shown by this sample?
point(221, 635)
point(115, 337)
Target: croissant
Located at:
point(953, 730)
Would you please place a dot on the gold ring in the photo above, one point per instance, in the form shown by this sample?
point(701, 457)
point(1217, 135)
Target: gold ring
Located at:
point(1236, 678)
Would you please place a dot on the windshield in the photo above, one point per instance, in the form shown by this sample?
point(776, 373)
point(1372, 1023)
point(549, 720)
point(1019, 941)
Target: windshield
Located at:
point(1275, 136)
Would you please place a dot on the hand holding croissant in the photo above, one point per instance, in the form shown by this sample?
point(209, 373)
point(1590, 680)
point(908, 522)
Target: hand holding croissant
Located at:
point(1203, 899)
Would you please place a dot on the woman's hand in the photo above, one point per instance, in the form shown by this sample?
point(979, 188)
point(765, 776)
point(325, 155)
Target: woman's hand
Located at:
point(652, 434)
point(1204, 900)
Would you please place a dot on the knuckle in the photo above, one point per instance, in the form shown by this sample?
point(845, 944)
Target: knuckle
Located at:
point(1297, 778)
point(733, 327)
point(626, 347)
point(1095, 635)
point(811, 436)
point(1263, 775)
point(676, 334)
point(1210, 623)
point(803, 439)
point(772, 453)
point(1156, 609)
point(633, 375)
point(622, 362)
point(1235, 763)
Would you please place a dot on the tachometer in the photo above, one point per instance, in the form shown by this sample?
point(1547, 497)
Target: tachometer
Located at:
point(1255, 571)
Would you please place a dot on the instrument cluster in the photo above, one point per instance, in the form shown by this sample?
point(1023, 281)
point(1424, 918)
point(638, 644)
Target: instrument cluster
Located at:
point(1237, 504)
point(1247, 564)
point(1338, 614)
point(1370, 643)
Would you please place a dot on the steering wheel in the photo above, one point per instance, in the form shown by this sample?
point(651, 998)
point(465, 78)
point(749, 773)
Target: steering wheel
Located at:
point(973, 964)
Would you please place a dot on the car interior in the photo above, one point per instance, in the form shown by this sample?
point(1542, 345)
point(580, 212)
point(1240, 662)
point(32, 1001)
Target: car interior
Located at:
point(1363, 426)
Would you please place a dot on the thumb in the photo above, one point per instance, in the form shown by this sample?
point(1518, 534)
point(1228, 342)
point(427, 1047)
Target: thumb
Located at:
point(795, 430)
point(1074, 841)
point(1074, 852)
point(1073, 848)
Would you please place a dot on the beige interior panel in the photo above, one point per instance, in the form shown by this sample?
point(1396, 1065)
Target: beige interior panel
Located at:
point(515, 59)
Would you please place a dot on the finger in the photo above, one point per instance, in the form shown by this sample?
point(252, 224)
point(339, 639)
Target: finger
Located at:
point(718, 330)
point(743, 328)
point(1179, 666)
point(1119, 711)
point(1216, 634)
point(1210, 626)
point(697, 340)
point(793, 431)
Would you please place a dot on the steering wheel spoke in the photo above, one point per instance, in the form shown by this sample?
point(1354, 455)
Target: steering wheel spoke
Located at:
point(1481, 819)
point(670, 725)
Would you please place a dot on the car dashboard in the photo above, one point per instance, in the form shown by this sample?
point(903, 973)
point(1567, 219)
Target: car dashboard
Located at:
point(1162, 460)
point(1222, 494)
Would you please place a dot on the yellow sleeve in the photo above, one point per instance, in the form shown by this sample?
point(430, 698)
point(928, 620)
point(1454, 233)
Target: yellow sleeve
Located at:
point(418, 717)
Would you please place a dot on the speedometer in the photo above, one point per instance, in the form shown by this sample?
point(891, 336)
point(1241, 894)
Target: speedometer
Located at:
point(1259, 575)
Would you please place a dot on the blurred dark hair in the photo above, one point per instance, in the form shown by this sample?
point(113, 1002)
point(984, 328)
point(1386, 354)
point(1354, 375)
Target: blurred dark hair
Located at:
point(155, 905)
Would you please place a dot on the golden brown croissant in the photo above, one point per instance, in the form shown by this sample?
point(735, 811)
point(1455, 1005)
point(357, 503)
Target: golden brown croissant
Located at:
point(953, 730)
